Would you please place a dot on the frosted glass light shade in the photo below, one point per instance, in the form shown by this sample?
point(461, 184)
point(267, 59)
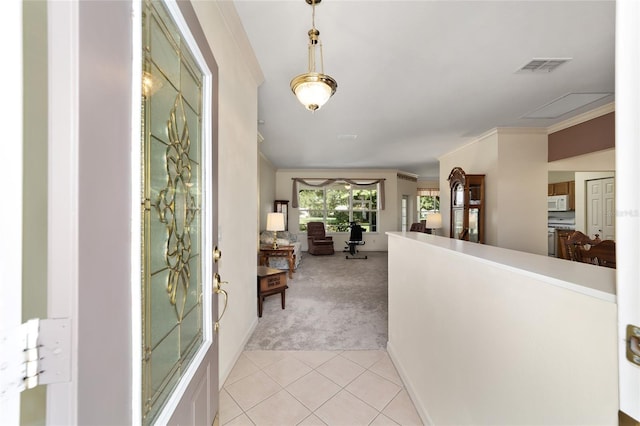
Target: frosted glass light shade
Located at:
point(275, 222)
point(434, 221)
point(313, 89)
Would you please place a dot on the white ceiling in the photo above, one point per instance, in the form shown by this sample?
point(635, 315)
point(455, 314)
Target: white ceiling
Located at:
point(417, 79)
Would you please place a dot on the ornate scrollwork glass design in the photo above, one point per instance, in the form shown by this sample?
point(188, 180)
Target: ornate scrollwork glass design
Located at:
point(176, 206)
point(172, 315)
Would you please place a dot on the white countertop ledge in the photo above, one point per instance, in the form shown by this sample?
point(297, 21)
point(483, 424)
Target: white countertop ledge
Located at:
point(590, 280)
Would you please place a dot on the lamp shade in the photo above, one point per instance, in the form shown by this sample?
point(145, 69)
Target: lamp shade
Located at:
point(313, 89)
point(434, 221)
point(275, 222)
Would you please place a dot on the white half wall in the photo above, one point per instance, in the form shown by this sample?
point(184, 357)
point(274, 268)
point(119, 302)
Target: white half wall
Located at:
point(487, 336)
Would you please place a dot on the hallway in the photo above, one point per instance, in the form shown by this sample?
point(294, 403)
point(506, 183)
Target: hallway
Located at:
point(315, 388)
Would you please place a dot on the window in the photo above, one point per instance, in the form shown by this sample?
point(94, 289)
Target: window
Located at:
point(338, 205)
point(405, 208)
point(428, 200)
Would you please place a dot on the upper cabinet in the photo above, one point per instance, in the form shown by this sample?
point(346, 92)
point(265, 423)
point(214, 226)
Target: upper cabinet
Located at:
point(467, 206)
point(564, 188)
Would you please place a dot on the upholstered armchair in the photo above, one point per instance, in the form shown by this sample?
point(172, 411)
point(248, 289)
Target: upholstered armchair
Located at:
point(319, 242)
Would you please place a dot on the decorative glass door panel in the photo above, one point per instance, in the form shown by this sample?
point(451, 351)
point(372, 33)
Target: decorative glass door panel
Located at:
point(458, 222)
point(172, 317)
point(474, 230)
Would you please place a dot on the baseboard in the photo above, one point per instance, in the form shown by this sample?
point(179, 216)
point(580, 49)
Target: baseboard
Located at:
point(420, 408)
point(222, 377)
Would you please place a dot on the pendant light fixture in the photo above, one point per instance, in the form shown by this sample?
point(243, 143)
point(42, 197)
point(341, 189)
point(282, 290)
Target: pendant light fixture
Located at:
point(313, 89)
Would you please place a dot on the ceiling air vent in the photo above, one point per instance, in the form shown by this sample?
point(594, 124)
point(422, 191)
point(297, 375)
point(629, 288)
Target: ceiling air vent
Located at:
point(543, 65)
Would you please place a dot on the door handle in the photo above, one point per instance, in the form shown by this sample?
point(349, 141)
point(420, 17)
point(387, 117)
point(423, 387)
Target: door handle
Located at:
point(217, 283)
point(633, 344)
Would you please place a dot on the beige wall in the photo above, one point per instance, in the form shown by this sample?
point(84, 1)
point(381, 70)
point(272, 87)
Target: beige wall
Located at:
point(514, 162)
point(522, 190)
point(387, 220)
point(595, 161)
point(478, 157)
point(239, 77)
point(267, 190)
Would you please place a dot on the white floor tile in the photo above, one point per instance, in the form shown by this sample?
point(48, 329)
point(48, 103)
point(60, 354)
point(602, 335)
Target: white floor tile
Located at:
point(252, 390)
point(228, 407)
point(265, 358)
point(314, 359)
point(312, 420)
point(401, 410)
point(373, 389)
point(386, 369)
point(316, 388)
point(341, 370)
point(364, 358)
point(287, 370)
point(345, 409)
point(280, 409)
point(383, 420)
point(244, 367)
point(313, 390)
point(241, 420)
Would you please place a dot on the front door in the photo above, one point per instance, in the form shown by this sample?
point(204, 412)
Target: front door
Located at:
point(179, 359)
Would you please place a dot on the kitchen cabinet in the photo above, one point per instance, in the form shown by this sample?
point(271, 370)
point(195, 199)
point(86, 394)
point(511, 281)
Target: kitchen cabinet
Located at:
point(564, 188)
point(467, 206)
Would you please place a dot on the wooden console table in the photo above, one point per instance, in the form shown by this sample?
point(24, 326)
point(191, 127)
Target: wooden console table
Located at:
point(267, 251)
point(271, 281)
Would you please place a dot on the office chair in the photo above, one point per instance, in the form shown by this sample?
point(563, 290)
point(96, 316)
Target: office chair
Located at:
point(355, 239)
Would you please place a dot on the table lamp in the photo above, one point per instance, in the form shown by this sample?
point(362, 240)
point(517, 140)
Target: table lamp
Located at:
point(434, 221)
point(275, 223)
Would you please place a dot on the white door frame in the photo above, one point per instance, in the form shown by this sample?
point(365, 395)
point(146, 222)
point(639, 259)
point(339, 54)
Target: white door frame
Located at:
point(62, 217)
point(11, 243)
point(628, 194)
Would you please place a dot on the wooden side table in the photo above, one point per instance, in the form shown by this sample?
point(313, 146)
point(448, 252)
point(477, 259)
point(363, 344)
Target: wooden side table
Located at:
point(271, 281)
point(267, 251)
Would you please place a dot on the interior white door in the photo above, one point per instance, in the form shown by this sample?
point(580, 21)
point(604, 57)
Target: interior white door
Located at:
point(601, 208)
point(608, 209)
point(628, 201)
point(11, 241)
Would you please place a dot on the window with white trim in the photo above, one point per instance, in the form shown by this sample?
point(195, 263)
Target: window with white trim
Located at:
point(338, 205)
point(428, 200)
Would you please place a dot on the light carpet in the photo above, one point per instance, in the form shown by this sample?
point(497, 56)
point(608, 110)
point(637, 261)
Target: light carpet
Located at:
point(332, 303)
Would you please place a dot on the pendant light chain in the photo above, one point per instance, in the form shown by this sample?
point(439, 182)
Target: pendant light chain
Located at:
point(313, 89)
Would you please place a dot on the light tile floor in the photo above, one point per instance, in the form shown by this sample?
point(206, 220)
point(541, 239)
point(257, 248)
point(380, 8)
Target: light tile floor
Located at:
point(345, 388)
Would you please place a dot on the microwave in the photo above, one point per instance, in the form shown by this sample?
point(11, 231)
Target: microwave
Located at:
point(558, 203)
